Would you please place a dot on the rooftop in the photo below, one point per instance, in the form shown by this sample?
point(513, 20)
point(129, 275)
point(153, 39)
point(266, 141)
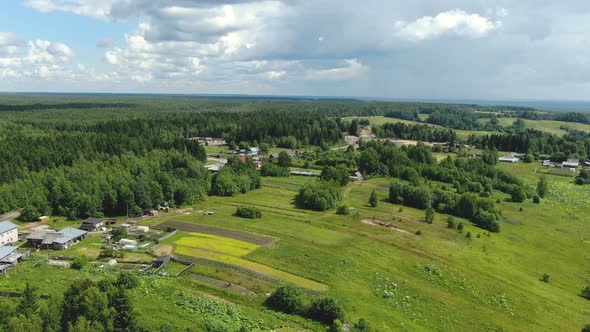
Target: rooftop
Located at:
point(6, 226)
point(69, 234)
point(7, 250)
point(92, 221)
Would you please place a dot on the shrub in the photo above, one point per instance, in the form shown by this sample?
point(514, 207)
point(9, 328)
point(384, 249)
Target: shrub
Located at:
point(79, 262)
point(362, 326)
point(418, 232)
point(250, 212)
point(450, 222)
point(460, 227)
point(269, 169)
point(432, 269)
point(287, 299)
point(325, 309)
point(170, 229)
point(284, 159)
point(536, 199)
point(468, 235)
point(545, 277)
point(429, 215)
point(343, 210)
point(586, 328)
point(586, 292)
point(127, 280)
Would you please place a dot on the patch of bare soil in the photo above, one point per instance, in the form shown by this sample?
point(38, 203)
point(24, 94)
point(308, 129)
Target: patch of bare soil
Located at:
point(163, 250)
point(376, 222)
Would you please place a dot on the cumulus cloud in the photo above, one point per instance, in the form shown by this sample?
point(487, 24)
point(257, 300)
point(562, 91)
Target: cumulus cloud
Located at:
point(39, 58)
point(453, 22)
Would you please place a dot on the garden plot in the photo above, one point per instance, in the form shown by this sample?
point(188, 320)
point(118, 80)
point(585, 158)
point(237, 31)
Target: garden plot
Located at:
point(231, 251)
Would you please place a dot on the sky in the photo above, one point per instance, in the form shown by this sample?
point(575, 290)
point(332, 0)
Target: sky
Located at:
point(421, 49)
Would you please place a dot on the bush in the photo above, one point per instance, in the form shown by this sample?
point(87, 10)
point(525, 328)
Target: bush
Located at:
point(170, 229)
point(79, 262)
point(284, 159)
point(127, 280)
point(343, 210)
point(287, 299)
point(248, 212)
point(586, 328)
point(536, 199)
point(468, 235)
point(362, 326)
point(418, 232)
point(460, 227)
point(325, 309)
point(450, 222)
point(545, 277)
point(586, 292)
point(269, 169)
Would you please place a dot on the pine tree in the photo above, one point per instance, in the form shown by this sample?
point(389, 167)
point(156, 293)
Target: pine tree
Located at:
point(373, 199)
point(28, 305)
point(125, 319)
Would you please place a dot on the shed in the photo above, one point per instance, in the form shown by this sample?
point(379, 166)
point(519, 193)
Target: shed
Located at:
point(43, 218)
point(129, 247)
point(91, 224)
point(161, 261)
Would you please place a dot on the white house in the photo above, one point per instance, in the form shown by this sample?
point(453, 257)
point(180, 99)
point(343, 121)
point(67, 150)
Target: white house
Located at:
point(571, 163)
point(8, 233)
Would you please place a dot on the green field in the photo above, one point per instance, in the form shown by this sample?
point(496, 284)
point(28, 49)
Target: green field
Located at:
point(553, 127)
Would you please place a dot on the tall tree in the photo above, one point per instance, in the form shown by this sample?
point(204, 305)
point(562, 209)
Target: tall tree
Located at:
point(28, 305)
point(373, 199)
point(542, 186)
point(125, 318)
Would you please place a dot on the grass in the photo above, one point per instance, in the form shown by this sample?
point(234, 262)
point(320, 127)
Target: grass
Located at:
point(218, 244)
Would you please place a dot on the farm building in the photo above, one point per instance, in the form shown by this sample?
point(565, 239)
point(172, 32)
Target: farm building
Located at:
point(358, 176)
point(161, 261)
point(9, 257)
point(252, 151)
point(70, 236)
point(150, 212)
point(8, 233)
point(509, 158)
point(571, 163)
point(546, 163)
point(51, 239)
point(92, 224)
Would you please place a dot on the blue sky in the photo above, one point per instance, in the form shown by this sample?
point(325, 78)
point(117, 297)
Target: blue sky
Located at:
point(452, 49)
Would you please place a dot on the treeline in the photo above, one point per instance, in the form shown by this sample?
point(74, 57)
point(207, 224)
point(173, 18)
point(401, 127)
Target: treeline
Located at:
point(122, 185)
point(415, 132)
point(575, 144)
point(575, 117)
point(86, 305)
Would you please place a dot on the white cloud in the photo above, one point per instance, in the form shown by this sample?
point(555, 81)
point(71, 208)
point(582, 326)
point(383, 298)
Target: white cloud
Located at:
point(352, 68)
point(453, 22)
point(274, 74)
